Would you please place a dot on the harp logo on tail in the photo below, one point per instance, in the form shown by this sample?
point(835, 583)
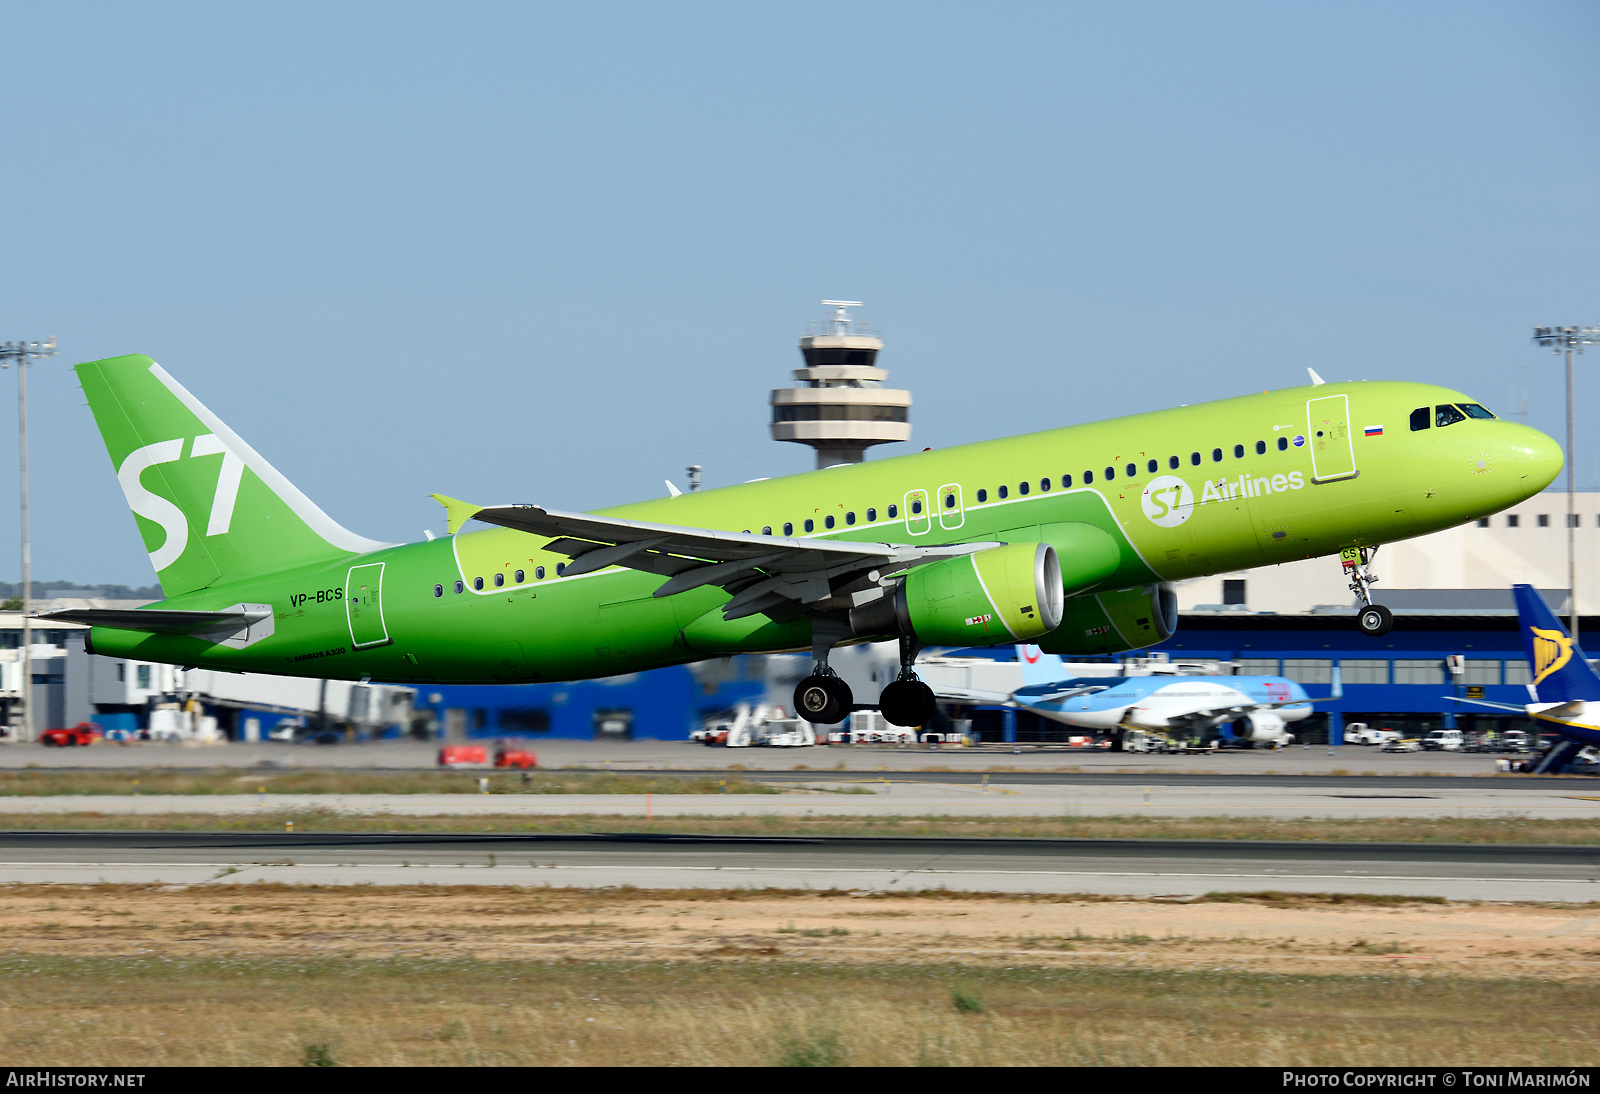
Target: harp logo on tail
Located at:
point(1551, 651)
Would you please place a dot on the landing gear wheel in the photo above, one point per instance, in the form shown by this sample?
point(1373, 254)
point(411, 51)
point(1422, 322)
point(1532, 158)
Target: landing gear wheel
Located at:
point(1376, 620)
point(908, 703)
point(823, 700)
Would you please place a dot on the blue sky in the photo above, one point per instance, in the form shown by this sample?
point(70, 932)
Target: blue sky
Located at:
point(555, 252)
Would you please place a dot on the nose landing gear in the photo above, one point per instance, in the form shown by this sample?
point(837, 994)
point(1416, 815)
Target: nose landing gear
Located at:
point(1374, 619)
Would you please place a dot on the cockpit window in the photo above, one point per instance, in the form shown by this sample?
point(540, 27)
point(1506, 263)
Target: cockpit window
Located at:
point(1444, 414)
point(1475, 411)
point(1420, 419)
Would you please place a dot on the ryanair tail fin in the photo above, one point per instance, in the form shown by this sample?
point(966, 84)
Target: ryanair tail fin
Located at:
point(1559, 669)
point(209, 507)
point(1039, 667)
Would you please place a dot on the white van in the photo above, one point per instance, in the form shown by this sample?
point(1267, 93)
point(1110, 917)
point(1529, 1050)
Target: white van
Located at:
point(1443, 740)
point(1359, 733)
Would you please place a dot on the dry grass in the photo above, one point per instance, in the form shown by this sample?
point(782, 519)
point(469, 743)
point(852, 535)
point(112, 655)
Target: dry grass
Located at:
point(39, 782)
point(155, 1011)
point(138, 975)
point(1503, 829)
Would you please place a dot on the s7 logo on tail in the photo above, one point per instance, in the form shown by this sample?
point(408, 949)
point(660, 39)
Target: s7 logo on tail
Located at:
point(159, 510)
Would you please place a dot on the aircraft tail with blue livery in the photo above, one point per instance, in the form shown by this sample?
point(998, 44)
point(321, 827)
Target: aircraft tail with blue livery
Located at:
point(1560, 671)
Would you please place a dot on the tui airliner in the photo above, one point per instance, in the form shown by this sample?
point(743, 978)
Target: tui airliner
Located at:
point(1066, 539)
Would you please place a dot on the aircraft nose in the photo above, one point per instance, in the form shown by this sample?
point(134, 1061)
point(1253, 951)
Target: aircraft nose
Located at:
point(1537, 458)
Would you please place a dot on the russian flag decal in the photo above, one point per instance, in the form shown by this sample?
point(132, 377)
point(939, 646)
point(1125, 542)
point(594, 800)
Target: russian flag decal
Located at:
point(1374, 430)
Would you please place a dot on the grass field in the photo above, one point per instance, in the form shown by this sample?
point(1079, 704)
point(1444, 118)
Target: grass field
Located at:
point(260, 974)
point(40, 782)
point(1505, 829)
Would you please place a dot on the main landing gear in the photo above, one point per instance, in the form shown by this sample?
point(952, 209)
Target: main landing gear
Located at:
point(908, 701)
point(823, 698)
point(1375, 619)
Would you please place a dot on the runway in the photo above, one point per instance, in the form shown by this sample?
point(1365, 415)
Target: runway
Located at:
point(1174, 868)
point(916, 794)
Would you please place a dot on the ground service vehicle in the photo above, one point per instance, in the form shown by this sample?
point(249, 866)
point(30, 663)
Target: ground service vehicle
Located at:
point(84, 733)
point(1360, 733)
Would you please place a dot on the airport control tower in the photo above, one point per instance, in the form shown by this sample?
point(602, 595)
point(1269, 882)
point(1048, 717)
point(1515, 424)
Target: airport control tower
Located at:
point(839, 405)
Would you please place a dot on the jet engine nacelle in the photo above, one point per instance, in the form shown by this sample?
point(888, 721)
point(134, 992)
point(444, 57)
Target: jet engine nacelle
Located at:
point(1011, 593)
point(1261, 725)
point(1115, 621)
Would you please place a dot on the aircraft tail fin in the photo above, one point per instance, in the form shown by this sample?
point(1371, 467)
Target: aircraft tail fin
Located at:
point(1039, 667)
point(209, 507)
point(1559, 669)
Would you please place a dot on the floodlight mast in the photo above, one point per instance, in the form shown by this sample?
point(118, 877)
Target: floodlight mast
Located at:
point(1572, 340)
point(22, 353)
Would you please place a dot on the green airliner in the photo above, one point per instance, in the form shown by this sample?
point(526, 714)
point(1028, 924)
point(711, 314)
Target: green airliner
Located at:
point(1065, 539)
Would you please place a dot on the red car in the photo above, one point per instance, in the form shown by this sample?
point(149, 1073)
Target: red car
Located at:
point(516, 757)
point(83, 733)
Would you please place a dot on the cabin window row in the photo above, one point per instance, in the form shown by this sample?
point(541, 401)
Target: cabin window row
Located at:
point(498, 581)
point(1132, 470)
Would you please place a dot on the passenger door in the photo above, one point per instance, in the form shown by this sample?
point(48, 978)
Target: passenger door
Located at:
point(1333, 453)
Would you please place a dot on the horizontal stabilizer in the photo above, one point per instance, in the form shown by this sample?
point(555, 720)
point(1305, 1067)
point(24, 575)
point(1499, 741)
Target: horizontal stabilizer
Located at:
point(237, 626)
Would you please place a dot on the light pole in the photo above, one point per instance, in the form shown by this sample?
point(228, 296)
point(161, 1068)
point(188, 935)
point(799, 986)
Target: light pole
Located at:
point(22, 353)
point(1571, 339)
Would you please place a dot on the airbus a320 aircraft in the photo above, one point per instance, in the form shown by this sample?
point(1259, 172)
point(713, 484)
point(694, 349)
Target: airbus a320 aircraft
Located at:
point(1063, 538)
point(1258, 706)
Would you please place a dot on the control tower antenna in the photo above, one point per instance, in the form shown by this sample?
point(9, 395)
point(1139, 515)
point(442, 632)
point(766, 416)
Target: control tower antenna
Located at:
point(839, 405)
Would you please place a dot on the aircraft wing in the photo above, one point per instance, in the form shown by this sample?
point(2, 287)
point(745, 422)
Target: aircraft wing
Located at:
point(973, 695)
point(1486, 703)
point(765, 574)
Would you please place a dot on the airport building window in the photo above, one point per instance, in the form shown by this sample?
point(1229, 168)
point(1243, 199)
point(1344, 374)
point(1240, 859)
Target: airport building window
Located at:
point(1517, 673)
point(438, 590)
point(1283, 444)
point(1511, 521)
point(499, 581)
point(849, 518)
point(1066, 482)
point(520, 576)
point(827, 521)
point(461, 586)
point(788, 529)
point(1255, 666)
point(1044, 484)
point(142, 676)
point(1238, 451)
point(1004, 493)
point(1152, 466)
point(1544, 520)
point(1022, 487)
point(1483, 522)
point(1194, 458)
point(983, 496)
point(1364, 671)
point(894, 511)
point(1261, 448)
point(1088, 477)
point(1420, 419)
point(1233, 591)
point(1308, 670)
point(811, 525)
point(1419, 672)
point(1444, 414)
point(538, 573)
point(1574, 521)
point(1216, 455)
point(1481, 672)
point(477, 584)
